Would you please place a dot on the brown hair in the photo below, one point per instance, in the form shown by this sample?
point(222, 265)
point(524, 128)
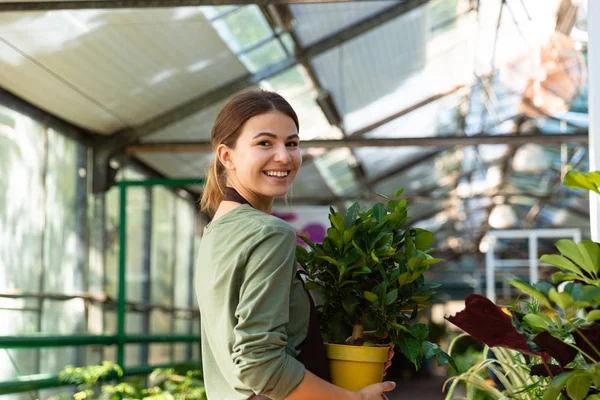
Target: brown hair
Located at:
point(226, 130)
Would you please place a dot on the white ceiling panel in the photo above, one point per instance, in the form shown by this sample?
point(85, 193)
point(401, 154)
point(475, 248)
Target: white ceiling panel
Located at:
point(178, 165)
point(30, 81)
point(196, 127)
point(130, 64)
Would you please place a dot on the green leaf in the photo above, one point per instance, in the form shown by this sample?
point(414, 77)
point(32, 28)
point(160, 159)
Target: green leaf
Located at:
point(543, 286)
point(593, 315)
point(372, 297)
point(430, 349)
point(409, 346)
point(579, 180)
point(569, 248)
point(431, 261)
point(357, 247)
point(350, 304)
point(420, 331)
point(379, 211)
point(351, 214)
point(404, 278)
point(414, 262)
point(423, 239)
point(560, 262)
point(311, 285)
point(444, 358)
point(348, 234)
point(564, 300)
point(578, 386)
point(391, 297)
point(398, 193)
point(374, 257)
point(329, 259)
point(590, 294)
point(307, 241)
point(409, 247)
point(346, 283)
point(530, 290)
point(337, 221)
point(360, 271)
point(591, 253)
point(536, 321)
point(558, 277)
point(557, 384)
point(395, 274)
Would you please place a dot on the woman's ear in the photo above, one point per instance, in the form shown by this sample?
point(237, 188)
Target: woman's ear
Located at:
point(225, 156)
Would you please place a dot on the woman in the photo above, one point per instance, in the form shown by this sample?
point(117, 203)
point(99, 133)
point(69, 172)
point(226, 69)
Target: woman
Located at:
point(260, 337)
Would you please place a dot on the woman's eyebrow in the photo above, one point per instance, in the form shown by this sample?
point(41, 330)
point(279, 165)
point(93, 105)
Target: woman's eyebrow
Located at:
point(273, 136)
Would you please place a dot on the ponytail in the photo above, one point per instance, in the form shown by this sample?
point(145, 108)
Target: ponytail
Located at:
point(212, 195)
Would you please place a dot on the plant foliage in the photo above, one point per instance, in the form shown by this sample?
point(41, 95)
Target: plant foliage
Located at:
point(369, 273)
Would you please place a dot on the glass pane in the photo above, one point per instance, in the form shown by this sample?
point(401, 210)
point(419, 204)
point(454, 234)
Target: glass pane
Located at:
point(163, 247)
point(21, 166)
point(133, 354)
point(160, 322)
point(181, 352)
point(65, 250)
point(263, 56)
point(213, 12)
point(243, 28)
point(159, 354)
point(136, 277)
point(289, 83)
point(64, 317)
point(184, 296)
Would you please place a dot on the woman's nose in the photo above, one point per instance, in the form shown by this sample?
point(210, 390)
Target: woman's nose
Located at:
point(282, 155)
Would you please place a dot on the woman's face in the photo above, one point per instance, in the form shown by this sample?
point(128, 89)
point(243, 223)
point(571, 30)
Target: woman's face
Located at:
point(266, 157)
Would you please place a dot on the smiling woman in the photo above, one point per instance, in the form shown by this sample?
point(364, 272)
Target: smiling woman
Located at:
point(260, 335)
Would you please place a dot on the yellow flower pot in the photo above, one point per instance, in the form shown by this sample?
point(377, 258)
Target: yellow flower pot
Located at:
point(354, 367)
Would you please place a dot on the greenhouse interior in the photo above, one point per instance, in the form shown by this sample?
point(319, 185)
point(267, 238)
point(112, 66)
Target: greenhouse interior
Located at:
point(469, 115)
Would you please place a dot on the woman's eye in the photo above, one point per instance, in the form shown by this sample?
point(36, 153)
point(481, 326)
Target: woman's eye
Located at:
point(293, 144)
point(264, 143)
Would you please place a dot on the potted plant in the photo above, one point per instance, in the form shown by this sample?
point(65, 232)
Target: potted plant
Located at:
point(368, 273)
point(555, 336)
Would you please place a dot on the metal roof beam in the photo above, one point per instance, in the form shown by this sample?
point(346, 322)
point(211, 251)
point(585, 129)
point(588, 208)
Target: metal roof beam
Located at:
point(103, 4)
point(130, 135)
point(431, 141)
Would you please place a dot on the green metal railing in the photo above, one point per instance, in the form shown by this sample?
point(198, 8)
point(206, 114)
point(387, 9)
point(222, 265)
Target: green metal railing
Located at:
point(43, 381)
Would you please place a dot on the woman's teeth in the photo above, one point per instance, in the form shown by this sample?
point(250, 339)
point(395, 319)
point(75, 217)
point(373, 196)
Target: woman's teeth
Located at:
point(279, 174)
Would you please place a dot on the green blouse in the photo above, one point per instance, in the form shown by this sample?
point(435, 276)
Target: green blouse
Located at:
point(254, 311)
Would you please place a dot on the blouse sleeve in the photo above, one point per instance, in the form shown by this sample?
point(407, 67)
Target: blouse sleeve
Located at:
point(259, 351)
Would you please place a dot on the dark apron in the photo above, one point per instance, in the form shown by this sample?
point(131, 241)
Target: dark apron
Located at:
point(312, 353)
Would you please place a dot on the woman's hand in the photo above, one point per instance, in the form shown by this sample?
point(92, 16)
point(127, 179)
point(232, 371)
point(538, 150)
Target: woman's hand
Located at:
point(376, 391)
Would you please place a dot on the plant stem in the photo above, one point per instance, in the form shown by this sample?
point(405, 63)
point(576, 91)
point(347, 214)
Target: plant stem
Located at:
point(547, 368)
point(357, 331)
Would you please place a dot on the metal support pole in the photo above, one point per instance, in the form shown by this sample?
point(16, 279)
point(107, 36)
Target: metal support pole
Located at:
point(593, 90)
point(533, 259)
point(122, 284)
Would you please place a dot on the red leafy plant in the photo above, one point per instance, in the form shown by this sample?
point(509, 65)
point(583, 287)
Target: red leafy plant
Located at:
point(556, 332)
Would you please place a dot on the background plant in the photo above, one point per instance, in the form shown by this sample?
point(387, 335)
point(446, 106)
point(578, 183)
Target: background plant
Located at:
point(369, 273)
point(162, 384)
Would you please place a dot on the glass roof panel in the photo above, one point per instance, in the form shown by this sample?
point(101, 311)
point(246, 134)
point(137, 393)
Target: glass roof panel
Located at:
point(243, 28)
point(317, 21)
point(263, 56)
